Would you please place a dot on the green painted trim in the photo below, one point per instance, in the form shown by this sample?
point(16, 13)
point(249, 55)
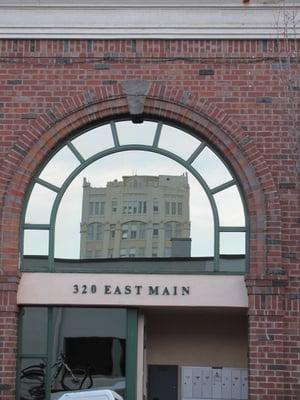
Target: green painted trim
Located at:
point(232, 229)
point(157, 134)
point(196, 153)
point(115, 134)
point(131, 354)
point(39, 227)
point(155, 149)
point(33, 355)
point(247, 239)
point(144, 270)
point(49, 353)
point(23, 217)
point(224, 186)
point(47, 185)
point(76, 153)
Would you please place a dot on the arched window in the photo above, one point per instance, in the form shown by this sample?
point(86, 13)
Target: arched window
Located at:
point(135, 182)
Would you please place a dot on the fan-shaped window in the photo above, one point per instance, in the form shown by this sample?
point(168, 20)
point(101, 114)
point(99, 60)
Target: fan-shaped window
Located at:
point(123, 190)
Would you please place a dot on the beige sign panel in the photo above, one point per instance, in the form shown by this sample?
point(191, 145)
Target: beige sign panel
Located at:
point(132, 290)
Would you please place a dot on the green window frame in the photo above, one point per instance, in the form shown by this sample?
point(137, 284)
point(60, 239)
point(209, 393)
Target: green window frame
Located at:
point(130, 356)
point(117, 147)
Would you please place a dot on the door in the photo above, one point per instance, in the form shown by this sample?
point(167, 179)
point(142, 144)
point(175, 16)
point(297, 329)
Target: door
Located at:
point(162, 382)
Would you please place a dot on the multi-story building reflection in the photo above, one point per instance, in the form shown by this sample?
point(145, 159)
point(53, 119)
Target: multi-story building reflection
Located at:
point(138, 216)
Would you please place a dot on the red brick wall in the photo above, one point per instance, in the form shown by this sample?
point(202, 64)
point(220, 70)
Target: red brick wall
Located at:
point(235, 94)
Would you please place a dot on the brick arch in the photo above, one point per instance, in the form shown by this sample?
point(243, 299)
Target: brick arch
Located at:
point(162, 102)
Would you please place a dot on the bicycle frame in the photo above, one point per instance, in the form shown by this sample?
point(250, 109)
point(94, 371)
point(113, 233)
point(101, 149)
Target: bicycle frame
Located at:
point(37, 373)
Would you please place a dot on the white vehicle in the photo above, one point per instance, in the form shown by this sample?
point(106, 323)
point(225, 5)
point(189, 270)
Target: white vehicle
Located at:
point(100, 394)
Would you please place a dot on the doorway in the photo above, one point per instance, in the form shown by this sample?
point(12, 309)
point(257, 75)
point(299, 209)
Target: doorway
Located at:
point(196, 353)
point(162, 382)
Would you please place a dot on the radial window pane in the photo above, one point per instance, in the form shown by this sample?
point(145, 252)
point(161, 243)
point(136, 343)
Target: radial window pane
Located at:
point(36, 242)
point(94, 141)
point(232, 243)
point(130, 133)
point(201, 221)
point(211, 168)
point(178, 142)
point(59, 167)
point(40, 205)
point(230, 207)
point(67, 227)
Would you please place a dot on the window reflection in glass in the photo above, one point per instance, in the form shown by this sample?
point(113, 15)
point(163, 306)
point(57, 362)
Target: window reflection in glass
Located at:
point(36, 242)
point(59, 167)
point(134, 203)
point(94, 141)
point(35, 214)
point(148, 202)
point(177, 141)
point(232, 243)
point(232, 251)
point(34, 330)
point(129, 133)
point(92, 341)
point(88, 352)
point(230, 207)
point(211, 168)
point(33, 379)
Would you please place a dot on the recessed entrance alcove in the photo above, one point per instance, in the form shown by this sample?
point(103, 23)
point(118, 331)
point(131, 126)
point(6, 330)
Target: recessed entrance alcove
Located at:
point(134, 249)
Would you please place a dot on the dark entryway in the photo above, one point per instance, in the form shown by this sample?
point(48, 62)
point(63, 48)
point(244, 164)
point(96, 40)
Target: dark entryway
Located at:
point(162, 382)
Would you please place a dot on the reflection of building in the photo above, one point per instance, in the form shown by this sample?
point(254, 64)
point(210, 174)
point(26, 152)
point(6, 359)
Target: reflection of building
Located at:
point(136, 217)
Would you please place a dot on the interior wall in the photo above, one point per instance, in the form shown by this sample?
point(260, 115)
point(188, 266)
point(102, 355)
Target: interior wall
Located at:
point(197, 338)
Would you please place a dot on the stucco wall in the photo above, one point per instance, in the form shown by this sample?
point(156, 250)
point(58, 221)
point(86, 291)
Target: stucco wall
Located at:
point(198, 338)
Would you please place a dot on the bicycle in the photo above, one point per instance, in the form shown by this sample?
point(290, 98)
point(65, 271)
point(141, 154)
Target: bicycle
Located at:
point(35, 377)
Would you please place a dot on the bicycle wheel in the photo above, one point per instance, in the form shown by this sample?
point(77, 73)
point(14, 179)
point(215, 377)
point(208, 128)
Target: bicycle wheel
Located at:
point(33, 374)
point(33, 384)
point(81, 379)
point(38, 392)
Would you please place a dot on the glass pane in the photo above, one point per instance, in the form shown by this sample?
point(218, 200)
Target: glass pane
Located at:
point(67, 228)
point(34, 330)
point(230, 207)
point(94, 141)
point(232, 243)
point(131, 189)
point(211, 168)
point(233, 264)
point(92, 342)
point(130, 133)
point(40, 205)
point(59, 167)
point(178, 142)
point(132, 200)
point(32, 379)
point(202, 224)
point(36, 242)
